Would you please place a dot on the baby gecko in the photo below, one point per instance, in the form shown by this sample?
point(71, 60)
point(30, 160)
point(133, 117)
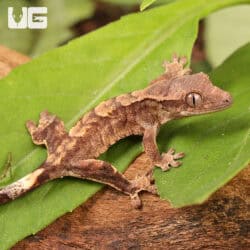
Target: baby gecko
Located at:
point(175, 94)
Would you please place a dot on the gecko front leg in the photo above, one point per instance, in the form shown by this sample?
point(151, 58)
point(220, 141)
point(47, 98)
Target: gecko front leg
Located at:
point(164, 160)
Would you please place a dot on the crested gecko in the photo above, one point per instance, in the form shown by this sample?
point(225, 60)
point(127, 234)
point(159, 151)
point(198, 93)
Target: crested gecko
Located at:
point(175, 94)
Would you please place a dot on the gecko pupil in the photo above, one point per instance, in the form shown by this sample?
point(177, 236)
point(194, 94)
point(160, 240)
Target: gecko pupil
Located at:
point(193, 99)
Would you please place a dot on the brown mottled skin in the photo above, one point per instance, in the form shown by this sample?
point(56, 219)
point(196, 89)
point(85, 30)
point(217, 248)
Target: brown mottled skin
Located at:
point(173, 95)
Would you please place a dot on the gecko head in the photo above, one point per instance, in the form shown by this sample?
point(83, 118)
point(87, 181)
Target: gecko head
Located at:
point(190, 95)
point(200, 96)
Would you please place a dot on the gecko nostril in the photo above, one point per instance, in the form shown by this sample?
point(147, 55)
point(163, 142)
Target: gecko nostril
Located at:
point(228, 100)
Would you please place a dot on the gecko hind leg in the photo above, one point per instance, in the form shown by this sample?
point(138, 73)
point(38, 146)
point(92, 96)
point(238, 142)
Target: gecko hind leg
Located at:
point(104, 172)
point(176, 66)
point(91, 169)
point(173, 69)
point(142, 183)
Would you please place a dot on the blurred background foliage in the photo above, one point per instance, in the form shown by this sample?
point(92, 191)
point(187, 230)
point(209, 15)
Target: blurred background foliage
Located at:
point(220, 33)
point(226, 30)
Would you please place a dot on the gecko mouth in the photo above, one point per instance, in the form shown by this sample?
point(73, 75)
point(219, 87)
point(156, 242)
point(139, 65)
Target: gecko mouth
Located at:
point(225, 105)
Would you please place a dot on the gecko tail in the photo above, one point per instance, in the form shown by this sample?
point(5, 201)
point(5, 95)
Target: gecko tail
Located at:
point(25, 184)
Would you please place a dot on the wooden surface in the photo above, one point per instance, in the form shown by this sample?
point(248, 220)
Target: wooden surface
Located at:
point(107, 220)
point(9, 59)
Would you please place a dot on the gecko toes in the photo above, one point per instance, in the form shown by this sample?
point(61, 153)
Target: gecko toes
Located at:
point(136, 201)
point(179, 156)
point(139, 184)
point(183, 60)
point(169, 159)
point(175, 164)
point(30, 125)
point(175, 58)
point(171, 151)
point(176, 66)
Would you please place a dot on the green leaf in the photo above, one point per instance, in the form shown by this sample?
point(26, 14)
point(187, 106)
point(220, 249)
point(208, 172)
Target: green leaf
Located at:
point(62, 14)
point(217, 146)
point(146, 3)
point(123, 2)
point(68, 81)
point(226, 31)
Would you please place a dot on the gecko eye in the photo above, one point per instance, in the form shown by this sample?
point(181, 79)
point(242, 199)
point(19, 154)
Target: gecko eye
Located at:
point(194, 99)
